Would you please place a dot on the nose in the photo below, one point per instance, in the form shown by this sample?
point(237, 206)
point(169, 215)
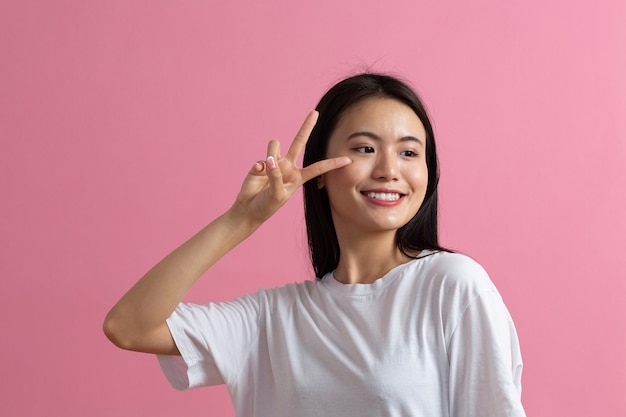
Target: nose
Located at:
point(386, 168)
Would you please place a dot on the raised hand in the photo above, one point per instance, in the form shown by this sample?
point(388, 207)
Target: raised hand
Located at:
point(270, 183)
point(137, 321)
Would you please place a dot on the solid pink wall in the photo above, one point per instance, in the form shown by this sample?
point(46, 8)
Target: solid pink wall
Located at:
point(127, 126)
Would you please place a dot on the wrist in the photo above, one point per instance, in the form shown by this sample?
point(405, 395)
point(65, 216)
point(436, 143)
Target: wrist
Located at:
point(239, 219)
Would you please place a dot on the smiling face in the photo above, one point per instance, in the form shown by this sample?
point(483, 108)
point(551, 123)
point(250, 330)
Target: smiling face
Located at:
point(384, 186)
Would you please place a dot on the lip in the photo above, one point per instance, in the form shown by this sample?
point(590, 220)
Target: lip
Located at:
point(381, 202)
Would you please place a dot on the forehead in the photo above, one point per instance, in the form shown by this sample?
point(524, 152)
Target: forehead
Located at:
point(381, 115)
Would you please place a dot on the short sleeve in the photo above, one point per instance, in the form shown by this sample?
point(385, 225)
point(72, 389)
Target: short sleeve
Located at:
point(485, 361)
point(214, 341)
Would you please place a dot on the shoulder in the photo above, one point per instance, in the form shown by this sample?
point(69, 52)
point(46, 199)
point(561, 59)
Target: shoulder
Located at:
point(455, 272)
point(457, 284)
point(454, 263)
point(281, 295)
point(249, 307)
point(288, 290)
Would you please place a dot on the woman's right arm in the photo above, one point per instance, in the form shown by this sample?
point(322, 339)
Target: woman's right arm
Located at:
point(138, 320)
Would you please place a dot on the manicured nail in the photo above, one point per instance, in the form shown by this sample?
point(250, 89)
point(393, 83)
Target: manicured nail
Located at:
point(271, 162)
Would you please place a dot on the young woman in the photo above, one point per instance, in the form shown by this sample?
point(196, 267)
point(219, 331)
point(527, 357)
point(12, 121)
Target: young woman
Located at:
point(393, 325)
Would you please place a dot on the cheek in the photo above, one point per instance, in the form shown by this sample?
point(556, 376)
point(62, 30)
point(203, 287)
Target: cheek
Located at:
point(343, 177)
point(417, 176)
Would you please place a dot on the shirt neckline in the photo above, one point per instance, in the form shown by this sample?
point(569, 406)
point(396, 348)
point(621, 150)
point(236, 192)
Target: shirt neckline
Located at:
point(363, 290)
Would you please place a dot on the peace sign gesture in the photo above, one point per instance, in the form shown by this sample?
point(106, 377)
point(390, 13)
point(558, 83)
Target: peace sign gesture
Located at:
point(270, 183)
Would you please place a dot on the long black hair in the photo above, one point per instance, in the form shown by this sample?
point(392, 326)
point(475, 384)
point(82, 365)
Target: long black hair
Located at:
point(421, 231)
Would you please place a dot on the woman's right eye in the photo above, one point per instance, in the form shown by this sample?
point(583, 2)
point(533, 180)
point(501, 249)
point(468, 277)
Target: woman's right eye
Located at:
point(364, 149)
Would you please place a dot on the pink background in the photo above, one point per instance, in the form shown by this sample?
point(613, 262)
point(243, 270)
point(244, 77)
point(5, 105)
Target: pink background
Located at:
point(128, 125)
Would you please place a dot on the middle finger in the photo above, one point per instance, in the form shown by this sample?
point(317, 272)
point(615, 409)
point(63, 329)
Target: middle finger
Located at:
point(301, 138)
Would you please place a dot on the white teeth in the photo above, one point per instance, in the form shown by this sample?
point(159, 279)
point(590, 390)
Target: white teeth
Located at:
point(384, 196)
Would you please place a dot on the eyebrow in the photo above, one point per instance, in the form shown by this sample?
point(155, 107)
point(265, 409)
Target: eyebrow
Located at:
point(378, 138)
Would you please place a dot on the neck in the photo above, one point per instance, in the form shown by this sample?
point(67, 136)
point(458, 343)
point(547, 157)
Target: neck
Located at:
point(367, 258)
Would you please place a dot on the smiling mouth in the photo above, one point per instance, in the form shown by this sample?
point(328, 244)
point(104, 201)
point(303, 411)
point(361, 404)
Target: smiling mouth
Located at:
point(383, 196)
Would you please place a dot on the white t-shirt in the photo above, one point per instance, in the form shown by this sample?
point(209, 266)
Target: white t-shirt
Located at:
point(431, 338)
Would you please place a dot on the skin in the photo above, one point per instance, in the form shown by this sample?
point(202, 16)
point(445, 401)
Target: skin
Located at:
point(386, 142)
point(382, 159)
point(138, 320)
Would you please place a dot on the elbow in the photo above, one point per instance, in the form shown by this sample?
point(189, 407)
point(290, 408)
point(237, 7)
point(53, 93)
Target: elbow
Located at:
point(115, 332)
point(128, 334)
point(110, 330)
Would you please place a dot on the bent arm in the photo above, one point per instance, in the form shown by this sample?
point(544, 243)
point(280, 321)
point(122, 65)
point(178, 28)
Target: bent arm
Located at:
point(138, 320)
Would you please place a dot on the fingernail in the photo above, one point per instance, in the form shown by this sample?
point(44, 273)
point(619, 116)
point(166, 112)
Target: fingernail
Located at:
point(271, 162)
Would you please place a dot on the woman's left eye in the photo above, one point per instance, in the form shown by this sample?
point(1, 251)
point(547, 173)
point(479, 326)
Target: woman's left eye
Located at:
point(410, 154)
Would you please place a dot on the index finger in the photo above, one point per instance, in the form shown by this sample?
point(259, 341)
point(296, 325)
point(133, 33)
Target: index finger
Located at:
point(299, 142)
point(323, 166)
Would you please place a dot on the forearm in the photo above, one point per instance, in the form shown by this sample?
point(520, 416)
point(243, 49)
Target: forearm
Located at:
point(137, 321)
point(146, 306)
